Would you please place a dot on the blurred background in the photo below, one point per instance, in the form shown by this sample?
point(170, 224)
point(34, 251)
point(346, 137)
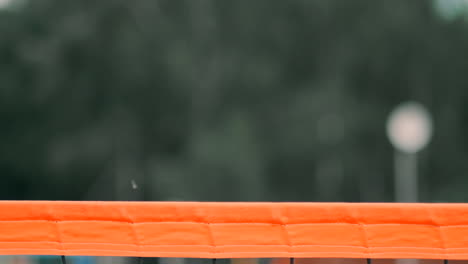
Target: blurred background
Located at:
point(229, 100)
point(232, 100)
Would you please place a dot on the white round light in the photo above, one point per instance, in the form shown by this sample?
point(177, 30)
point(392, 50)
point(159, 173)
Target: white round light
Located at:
point(409, 127)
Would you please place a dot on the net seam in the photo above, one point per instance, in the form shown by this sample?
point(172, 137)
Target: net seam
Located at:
point(219, 246)
point(228, 223)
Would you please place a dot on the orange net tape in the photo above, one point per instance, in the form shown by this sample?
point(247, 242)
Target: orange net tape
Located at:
point(234, 230)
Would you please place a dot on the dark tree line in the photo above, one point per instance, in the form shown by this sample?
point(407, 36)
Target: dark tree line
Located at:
point(226, 100)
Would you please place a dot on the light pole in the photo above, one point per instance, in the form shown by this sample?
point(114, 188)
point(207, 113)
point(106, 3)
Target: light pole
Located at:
point(409, 129)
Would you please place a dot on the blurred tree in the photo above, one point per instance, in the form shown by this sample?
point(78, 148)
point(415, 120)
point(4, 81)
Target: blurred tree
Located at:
point(225, 100)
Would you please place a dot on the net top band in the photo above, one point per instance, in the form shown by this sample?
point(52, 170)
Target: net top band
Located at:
point(234, 230)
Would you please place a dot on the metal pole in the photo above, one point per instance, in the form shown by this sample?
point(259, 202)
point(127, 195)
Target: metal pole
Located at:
point(406, 184)
point(406, 177)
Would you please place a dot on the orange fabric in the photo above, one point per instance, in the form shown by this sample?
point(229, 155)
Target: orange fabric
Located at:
point(234, 230)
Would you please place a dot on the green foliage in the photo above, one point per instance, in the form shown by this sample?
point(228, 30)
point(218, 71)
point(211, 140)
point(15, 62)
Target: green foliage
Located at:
point(225, 100)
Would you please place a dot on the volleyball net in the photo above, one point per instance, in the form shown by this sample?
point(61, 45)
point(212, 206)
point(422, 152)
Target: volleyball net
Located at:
point(235, 230)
